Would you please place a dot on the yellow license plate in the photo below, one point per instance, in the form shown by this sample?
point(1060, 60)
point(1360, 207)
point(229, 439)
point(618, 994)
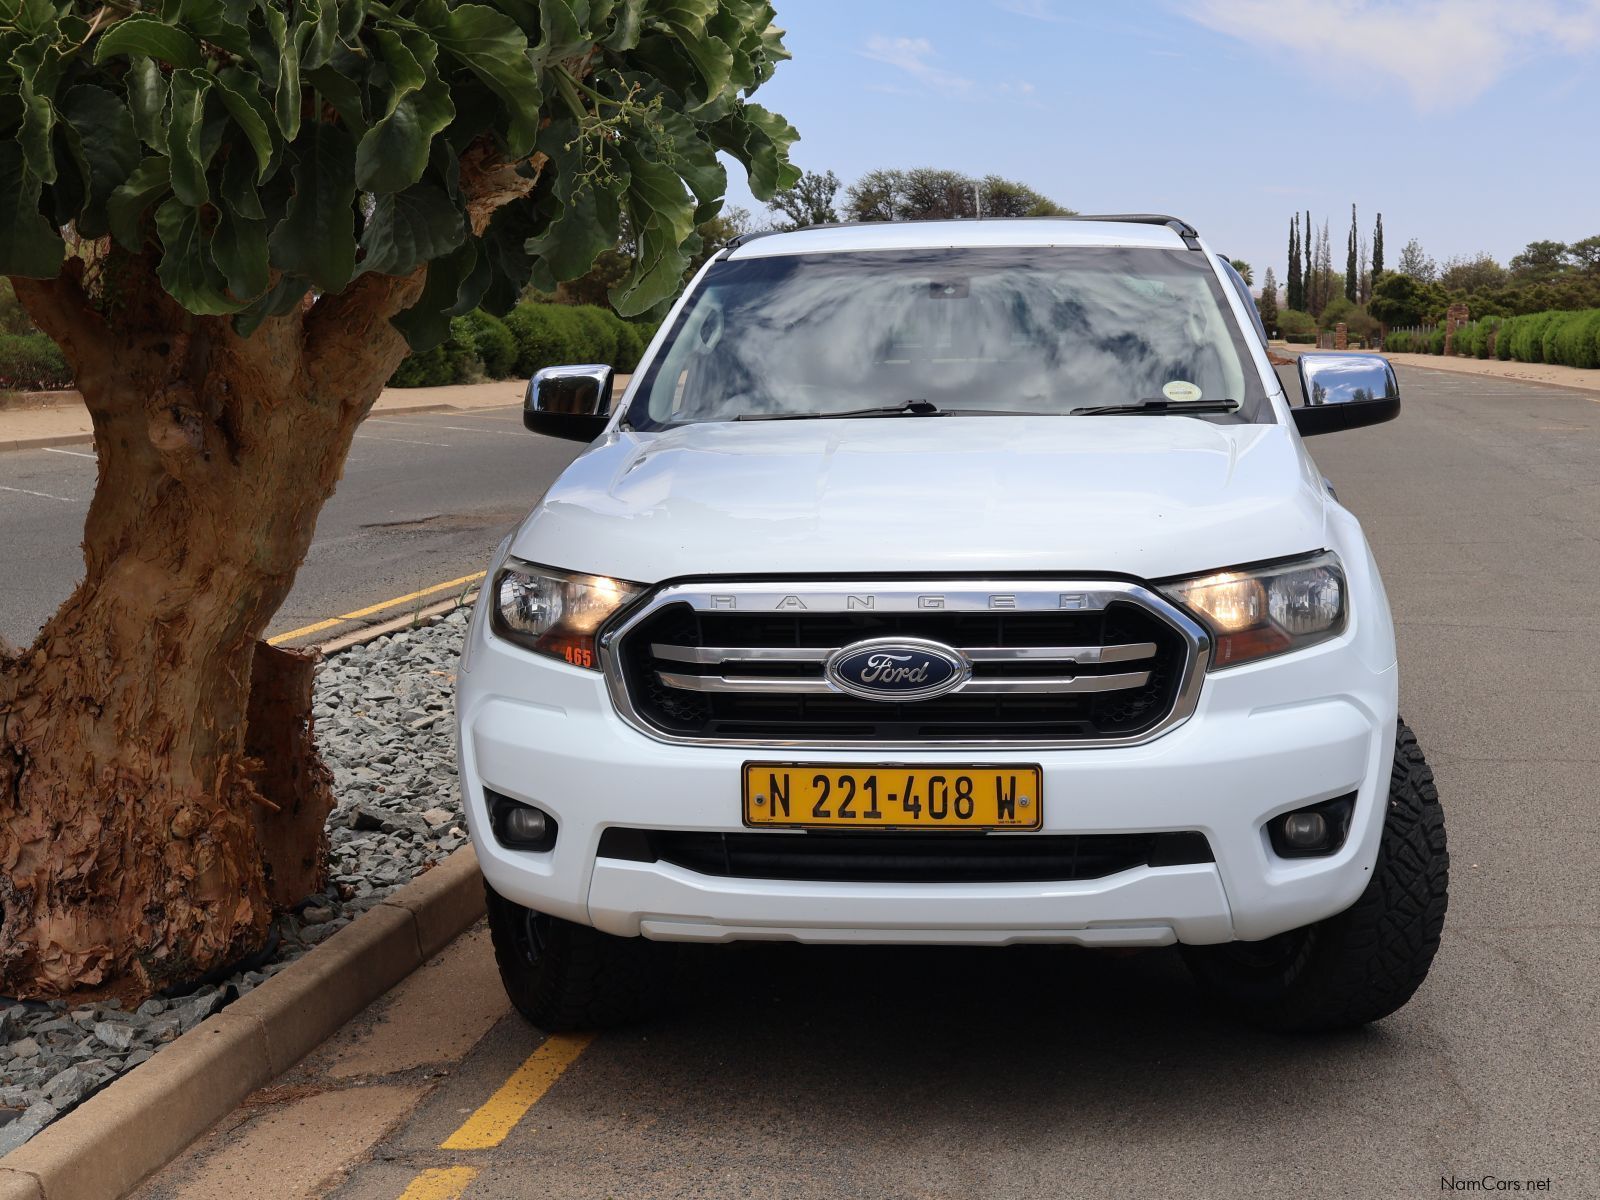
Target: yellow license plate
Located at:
point(888, 797)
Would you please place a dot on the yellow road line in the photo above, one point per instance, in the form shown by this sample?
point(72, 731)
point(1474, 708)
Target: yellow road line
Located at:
point(319, 626)
point(440, 1183)
point(487, 1128)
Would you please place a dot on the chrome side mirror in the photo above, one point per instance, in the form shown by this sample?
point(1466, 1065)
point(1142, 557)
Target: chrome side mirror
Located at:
point(569, 402)
point(1345, 391)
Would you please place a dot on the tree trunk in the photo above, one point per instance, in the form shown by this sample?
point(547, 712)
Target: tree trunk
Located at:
point(158, 783)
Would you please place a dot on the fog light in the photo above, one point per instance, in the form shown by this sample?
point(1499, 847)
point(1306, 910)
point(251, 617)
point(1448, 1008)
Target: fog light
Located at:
point(1314, 831)
point(529, 825)
point(1305, 830)
point(519, 826)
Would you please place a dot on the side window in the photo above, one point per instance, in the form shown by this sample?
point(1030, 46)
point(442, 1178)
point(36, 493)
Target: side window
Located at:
point(1243, 288)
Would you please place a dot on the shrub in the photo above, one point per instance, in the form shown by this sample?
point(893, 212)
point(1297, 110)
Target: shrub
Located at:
point(544, 337)
point(1300, 339)
point(599, 330)
point(454, 361)
point(1472, 339)
point(1293, 324)
point(1527, 338)
point(1435, 341)
point(1400, 342)
point(12, 318)
point(492, 342)
point(1573, 339)
point(1502, 341)
point(31, 362)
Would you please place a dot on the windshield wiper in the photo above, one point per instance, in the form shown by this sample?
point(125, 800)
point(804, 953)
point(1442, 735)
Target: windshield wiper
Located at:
point(1159, 406)
point(906, 408)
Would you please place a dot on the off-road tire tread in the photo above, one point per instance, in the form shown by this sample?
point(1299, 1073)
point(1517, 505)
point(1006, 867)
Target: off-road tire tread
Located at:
point(587, 979)
point(1368, 961)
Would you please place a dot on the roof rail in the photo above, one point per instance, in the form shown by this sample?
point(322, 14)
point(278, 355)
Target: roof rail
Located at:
point(1191, 237)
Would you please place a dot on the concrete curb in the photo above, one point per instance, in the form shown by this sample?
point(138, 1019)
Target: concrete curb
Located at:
point(412, 620)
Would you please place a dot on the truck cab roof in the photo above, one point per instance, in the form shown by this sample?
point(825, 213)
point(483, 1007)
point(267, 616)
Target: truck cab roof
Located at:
point(1154, 230)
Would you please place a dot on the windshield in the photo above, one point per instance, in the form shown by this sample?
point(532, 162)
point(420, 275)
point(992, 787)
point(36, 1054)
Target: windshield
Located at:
point(1033, 329)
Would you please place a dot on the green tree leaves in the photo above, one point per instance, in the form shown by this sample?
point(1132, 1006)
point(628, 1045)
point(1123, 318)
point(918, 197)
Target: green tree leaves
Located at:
point(28, 246)
point(152, 37)
point(264, 148)
point(316, 238)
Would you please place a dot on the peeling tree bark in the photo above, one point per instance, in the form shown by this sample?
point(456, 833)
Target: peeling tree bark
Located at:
point(158, 785)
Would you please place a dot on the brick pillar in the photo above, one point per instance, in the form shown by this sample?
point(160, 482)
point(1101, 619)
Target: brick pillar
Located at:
point(1454, 318)
point(1341, 336)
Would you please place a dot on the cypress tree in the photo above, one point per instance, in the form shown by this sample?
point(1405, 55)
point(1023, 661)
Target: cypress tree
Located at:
point(1377, 249)
point(1308, 272)
point(1294, 298)
point(1350, 279)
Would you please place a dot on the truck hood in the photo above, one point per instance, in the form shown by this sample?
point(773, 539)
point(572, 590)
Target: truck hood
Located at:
point(1148, 496)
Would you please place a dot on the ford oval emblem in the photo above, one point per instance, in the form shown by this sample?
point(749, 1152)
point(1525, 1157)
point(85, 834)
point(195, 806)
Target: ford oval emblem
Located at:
point(894, 669)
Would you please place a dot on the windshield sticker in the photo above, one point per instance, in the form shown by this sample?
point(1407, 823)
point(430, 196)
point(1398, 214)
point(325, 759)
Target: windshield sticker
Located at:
point(1180, 391)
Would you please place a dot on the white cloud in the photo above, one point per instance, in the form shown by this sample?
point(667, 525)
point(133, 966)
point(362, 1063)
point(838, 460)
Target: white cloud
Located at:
point(915, 56)
point(1444, 52)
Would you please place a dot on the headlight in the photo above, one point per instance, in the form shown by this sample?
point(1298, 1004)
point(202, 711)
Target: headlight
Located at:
point(555, 612)
point(1260, 611)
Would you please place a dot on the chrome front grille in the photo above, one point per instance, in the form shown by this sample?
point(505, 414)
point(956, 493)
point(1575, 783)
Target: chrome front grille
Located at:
point(1071, 663)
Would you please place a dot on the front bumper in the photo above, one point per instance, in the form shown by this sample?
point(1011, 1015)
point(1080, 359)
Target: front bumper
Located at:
point(1266, 738)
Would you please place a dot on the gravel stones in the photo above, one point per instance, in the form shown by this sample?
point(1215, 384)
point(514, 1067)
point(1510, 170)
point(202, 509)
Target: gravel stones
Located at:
point(385, 722)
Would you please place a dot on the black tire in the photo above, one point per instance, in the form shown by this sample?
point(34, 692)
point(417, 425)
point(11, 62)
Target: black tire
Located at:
point(1364, 963)
point(563, 976)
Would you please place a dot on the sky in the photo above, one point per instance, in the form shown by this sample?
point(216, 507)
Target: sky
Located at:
point(1472, 125)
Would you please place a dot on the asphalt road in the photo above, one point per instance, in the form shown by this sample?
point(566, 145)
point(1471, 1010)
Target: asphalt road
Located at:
point(424, 498)
point(793, 1071)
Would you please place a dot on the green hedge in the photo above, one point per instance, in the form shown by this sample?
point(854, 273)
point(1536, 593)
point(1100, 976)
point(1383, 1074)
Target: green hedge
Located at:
point(530, 337)
point(1566, 338)
point(31, 362)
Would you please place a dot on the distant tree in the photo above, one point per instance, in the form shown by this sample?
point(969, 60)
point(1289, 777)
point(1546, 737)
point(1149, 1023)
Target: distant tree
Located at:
point(1007, 198)
point(1399, 298)
point(809, 202)
point(1308, 246)
point(1322, 281)
point(1292, 296)
point(1586, 255)
point(1352, 278)
point(717, 233)
point(1540, 261)
point(1415, 262)
point(1478, 273)
point(930, 194)
point(1377, 249)
point(1267, 305)
point(1245, 272)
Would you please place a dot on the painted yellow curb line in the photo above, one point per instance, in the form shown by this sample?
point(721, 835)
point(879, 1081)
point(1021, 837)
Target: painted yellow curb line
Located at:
point(440, 1183)
point(319, 626)
point(499, 1114)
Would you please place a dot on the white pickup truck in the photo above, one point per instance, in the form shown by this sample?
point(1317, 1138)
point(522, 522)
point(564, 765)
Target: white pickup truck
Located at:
point(951, 582)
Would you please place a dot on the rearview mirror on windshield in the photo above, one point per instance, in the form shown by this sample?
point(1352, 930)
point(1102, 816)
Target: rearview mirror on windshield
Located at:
point(1345, 391)
point(569, 402)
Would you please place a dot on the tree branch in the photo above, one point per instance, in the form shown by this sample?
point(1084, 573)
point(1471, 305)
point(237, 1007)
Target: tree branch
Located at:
point(489, 182)
point(62, 309)
point(348, 335)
